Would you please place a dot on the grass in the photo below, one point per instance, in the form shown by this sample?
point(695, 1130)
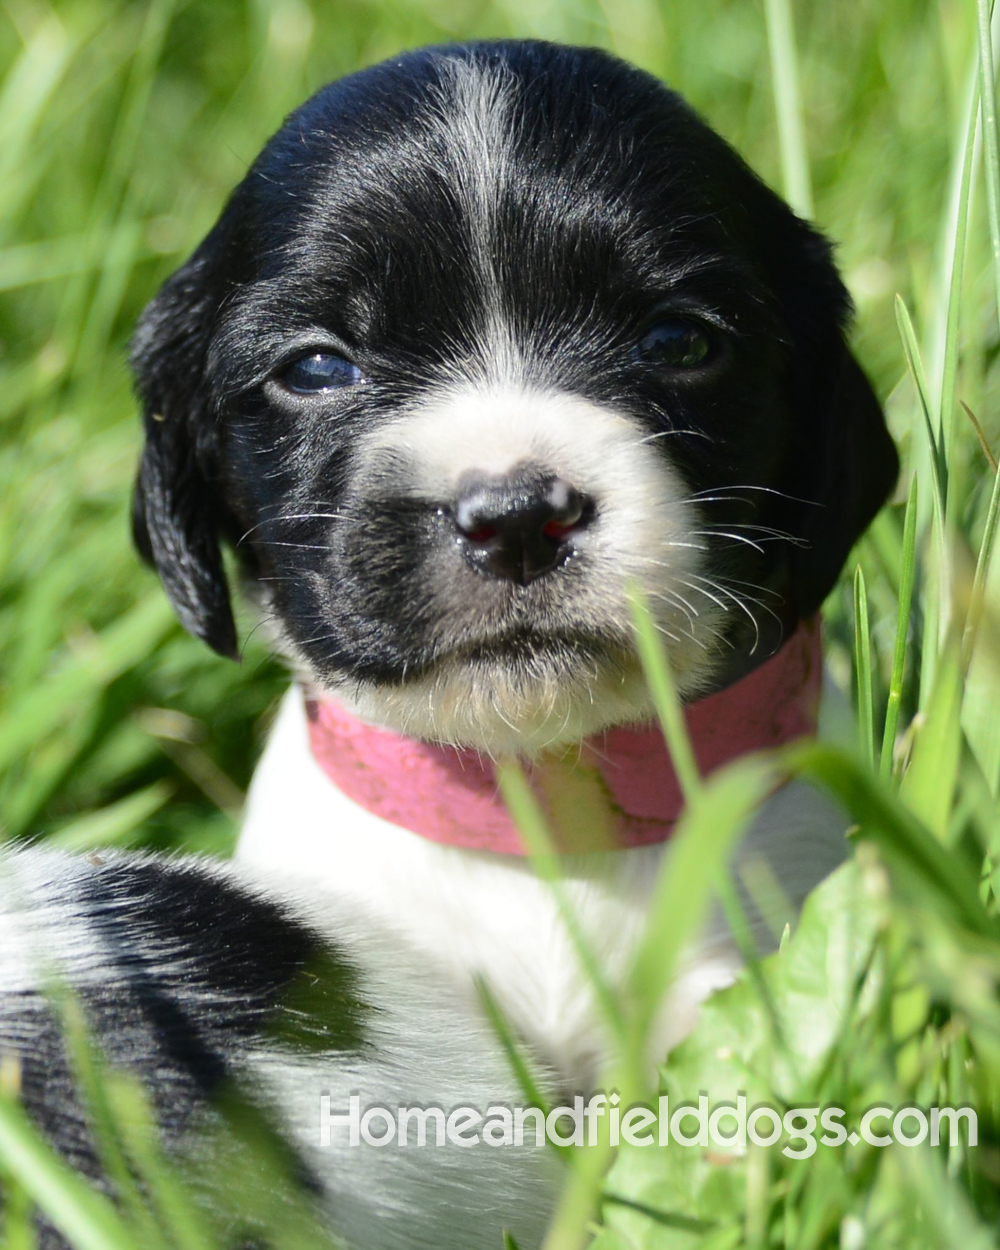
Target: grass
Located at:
point(122, 127)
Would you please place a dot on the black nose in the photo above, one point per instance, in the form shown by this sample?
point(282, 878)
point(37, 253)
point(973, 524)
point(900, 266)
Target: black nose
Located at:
point(520, 527)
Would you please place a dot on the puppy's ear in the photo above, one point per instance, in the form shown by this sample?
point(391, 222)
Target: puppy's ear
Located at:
point(842, 463)
point(176, 512)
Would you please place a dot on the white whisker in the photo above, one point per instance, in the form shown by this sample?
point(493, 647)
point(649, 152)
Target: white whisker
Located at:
point(673, 433)
point(295, 516)
point(738, 538)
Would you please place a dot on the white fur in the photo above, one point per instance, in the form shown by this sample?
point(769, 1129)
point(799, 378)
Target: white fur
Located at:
point(476, 913)
point(474, 131)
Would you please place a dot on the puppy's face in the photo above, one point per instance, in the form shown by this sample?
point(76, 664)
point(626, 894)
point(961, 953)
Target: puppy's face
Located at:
point(486, 334)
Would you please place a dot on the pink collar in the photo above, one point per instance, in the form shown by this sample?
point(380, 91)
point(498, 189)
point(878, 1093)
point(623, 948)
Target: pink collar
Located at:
point(617, 789)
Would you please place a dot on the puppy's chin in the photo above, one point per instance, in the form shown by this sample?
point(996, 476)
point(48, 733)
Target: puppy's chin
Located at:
point(516, 705)
point(504, 708)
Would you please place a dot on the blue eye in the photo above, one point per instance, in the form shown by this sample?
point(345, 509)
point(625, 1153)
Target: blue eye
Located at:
point(675, 344)
point(320, 372)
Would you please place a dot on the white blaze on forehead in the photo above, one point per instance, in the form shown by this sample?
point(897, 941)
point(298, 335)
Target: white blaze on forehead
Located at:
point(477, 122)
point(475, 129)
point(490, 430)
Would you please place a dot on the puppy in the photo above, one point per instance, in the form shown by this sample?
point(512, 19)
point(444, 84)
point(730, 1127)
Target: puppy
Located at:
point(487, 335)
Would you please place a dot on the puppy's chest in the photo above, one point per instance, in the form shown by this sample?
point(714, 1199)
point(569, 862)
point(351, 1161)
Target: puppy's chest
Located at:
point(476, 914)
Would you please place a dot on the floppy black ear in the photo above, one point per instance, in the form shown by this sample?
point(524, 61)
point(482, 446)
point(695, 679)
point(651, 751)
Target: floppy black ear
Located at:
point(848, 469)
point(842, 464)
point(176, 511)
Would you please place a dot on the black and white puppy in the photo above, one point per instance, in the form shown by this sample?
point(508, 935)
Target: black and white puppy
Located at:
point(485, 332)
point(488, 333)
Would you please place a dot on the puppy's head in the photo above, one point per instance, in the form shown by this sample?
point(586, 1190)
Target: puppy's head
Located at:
point(486, 333)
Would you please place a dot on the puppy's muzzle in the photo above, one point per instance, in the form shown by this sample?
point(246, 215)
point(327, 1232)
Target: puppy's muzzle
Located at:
point(520, 526)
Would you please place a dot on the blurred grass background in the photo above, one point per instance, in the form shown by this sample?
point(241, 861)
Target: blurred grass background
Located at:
point(122, 128)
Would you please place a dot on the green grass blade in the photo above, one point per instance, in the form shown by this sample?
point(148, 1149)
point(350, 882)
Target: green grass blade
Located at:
point(938, 596)
point(983, 563)
point(527, 815)
point(788, 105)
point(178, 1218)
point(663, 690)
point(905, 604)
point(117, 648)
point(906, 843)
point(714, 817)
point(991, 137)
point(93, 1079)
point(50, 260)
point(956, 262)
point(863, 667)
point(26, 93)
point(982, 690)
point(17, 1215)
point(530, 1088)
point(950, 1217)
point(928, 786)
point(944, 314)
point(17, 1225)
point(668, 1219)
point(939, 468)
point(88, 1220)
point(112, 825)
point(700, 848)
point(87, 322)
point(981, 652)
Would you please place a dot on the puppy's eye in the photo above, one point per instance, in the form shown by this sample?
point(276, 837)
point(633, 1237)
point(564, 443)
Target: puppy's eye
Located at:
point(675, 344)
point(320, 372)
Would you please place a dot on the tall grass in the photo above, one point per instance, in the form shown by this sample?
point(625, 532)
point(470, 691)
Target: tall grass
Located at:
point(122, 126)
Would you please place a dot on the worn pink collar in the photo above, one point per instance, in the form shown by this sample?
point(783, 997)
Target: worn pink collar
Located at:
point(617, 789)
